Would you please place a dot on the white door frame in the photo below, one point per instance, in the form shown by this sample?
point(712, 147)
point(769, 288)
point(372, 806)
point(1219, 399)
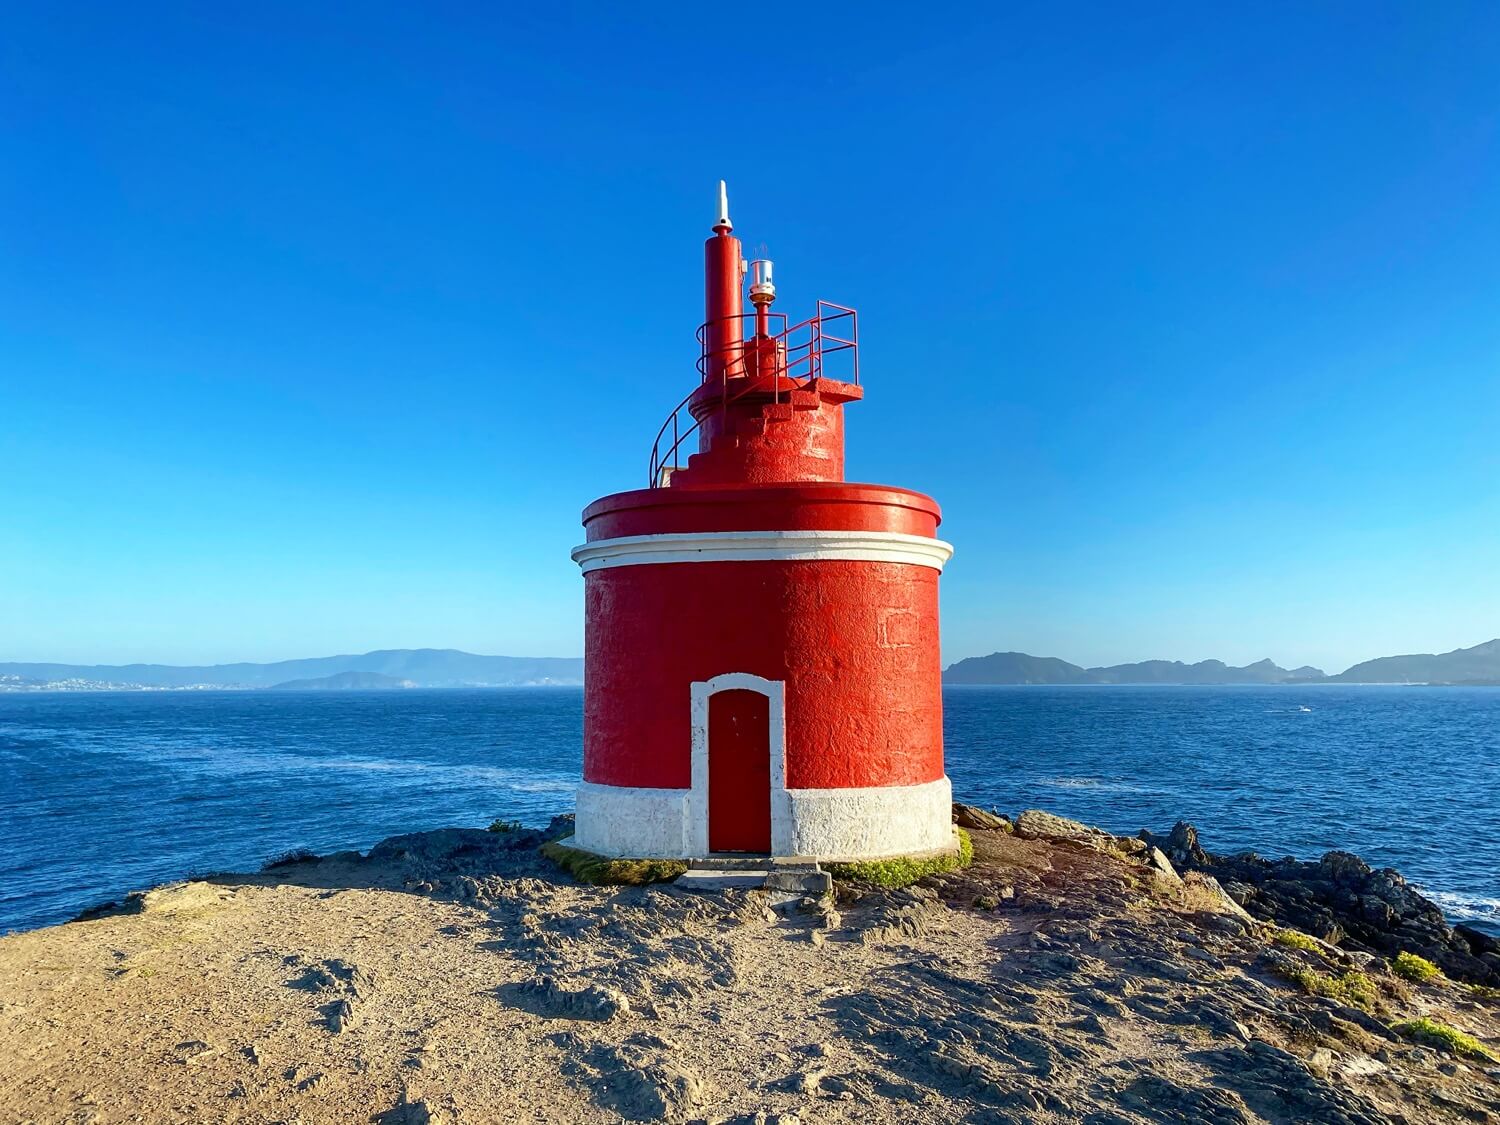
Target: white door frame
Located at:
point(781, 807)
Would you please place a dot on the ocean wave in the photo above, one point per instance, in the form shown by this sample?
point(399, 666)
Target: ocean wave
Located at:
point(1465, 908)
point(515, 778)
point(193, 758)
point(1099, 784)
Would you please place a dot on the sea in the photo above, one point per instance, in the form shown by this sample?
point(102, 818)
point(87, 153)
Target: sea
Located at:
point(103, 793)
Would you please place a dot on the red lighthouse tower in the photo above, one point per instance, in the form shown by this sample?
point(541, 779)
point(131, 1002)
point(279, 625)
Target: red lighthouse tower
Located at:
point(761, 653)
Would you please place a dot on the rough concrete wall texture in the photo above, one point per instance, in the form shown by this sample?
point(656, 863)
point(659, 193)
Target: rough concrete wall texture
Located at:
point(865, 823)
point(759, 440)
point(803, 506)
point(856, 643)
point(831, 824)
point(633, 822)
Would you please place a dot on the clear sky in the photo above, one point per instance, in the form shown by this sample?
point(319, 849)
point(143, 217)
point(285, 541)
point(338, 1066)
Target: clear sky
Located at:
point(320, 325)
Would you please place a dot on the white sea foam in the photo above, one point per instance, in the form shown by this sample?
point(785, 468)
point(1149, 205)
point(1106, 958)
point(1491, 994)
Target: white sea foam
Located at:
point(1100, 784)
point(193, 758)
point(1465, 908)
point(520, 779)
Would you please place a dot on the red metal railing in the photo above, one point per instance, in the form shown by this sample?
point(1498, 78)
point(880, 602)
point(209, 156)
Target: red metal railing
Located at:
point(803, 354)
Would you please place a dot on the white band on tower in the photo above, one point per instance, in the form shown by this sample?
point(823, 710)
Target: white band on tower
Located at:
point(762, 546)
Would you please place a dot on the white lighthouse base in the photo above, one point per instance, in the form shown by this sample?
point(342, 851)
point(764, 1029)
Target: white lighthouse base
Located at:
point(827, 824)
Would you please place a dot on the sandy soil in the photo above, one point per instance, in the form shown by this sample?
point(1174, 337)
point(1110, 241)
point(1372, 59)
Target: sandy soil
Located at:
point(456, 976)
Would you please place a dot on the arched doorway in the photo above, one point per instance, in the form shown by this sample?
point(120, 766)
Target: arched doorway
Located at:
point(738, 798)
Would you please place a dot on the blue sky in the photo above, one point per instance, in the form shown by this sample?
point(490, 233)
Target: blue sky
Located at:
point(319, 328)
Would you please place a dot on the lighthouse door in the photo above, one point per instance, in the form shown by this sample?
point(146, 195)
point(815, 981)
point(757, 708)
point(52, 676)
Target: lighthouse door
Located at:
point(739, 771)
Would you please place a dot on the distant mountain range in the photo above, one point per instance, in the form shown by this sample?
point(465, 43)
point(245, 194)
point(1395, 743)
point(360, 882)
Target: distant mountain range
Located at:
point(1477, 665)
point(388, 668)
point(1019, 668)
point(394, 669)
point(347, 681)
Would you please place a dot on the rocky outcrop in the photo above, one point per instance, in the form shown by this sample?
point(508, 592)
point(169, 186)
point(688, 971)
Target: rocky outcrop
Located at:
point(1341, 900)
point(458, 975)
point(972, 816)
point(1180, 845)
point(1034, 824)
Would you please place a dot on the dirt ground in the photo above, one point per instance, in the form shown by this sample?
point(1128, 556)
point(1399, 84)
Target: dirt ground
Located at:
point(455, 976)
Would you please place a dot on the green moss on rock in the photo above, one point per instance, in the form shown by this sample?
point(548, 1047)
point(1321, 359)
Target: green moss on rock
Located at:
point(1418, 970)
point(1432, 1033)
point(1295, 939)
point(1353, 988)
point(903, 871)
point(600, 870)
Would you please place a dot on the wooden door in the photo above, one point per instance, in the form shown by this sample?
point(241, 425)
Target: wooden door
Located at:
point(739, 772)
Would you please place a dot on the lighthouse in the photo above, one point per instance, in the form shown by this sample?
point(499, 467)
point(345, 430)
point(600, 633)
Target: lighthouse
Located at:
point(761, 670)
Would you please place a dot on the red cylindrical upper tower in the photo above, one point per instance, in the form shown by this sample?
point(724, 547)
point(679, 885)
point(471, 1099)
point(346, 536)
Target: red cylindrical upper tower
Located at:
point(762, 671)
point(723, 281)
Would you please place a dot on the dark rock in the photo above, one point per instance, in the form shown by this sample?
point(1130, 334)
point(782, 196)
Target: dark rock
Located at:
point(1165, 1100)
point(1341, 900)
point(1376, 911)
point(134, 904)
point(1278, 1086)
point(971, 816)
point(1180, 845)
point(1039, 825)
point(1345, 867)
point(438, 844)
point(1231, 924)
point(291, 859)
point(1479, 941)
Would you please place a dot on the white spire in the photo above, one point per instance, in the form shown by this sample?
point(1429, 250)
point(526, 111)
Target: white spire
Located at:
point(724, 208)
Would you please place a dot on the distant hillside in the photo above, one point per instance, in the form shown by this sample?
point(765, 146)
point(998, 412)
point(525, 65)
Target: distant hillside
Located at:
point(425, 667)
point(1203, 672)
point(1019, 668)
point(347, 681)
point(1013, 668)
point(1477, 665)
point(433, 667)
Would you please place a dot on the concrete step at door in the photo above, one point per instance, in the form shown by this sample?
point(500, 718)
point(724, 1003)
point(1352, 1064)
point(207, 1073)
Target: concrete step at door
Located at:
point(791, 874)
